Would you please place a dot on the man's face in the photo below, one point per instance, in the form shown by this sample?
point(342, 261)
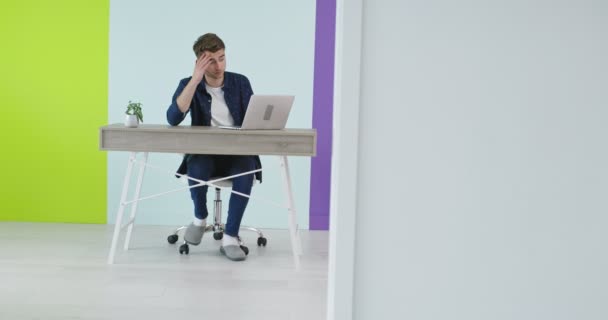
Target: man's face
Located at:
point(217, 64)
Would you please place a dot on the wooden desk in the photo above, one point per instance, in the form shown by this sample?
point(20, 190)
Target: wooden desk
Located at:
point(208, 140)
point(204, 140)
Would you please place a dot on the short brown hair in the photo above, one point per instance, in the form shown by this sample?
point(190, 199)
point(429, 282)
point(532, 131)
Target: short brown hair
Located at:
point(208, 42)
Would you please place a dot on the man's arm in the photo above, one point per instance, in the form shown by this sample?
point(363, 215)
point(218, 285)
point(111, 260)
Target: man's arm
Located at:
point(185, 98)
point(174, 115)
point(181, 104)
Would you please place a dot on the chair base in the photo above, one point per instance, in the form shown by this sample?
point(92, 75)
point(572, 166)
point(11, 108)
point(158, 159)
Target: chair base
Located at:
point(217, 228)
point(218, 234)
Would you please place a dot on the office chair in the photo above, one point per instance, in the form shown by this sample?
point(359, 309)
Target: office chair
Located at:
point(217, 227)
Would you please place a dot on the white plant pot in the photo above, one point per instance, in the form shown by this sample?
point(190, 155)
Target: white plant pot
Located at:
point(131, 121)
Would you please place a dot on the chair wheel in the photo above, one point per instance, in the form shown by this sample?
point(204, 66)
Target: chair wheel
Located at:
point(172, 238)
point(262, 242)
point(245, 249)
point(184, 249)
point(218, 235)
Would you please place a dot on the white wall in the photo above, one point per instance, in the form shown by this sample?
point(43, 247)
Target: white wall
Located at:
point(483, 157)
point(270, 41)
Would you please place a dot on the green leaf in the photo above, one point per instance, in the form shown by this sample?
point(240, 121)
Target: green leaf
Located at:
point(135, 108)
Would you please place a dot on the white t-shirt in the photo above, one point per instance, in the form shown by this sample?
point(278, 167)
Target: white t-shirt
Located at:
point(220, 115)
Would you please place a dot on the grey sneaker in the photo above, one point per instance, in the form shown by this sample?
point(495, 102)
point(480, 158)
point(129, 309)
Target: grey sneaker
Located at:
point(194, 234)
point(234, 253)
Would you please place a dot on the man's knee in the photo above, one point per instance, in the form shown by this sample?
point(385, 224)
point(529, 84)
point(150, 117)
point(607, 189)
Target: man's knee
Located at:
point(244, 164)
point(200, 165)
point(200, 159)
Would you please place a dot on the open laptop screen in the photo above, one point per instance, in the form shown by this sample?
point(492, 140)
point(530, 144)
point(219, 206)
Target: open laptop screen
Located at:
point(266, 112)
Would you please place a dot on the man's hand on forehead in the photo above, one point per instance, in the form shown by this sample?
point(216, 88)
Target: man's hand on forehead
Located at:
point(213, 55)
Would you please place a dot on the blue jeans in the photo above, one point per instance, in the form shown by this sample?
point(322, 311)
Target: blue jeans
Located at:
point(203, 167)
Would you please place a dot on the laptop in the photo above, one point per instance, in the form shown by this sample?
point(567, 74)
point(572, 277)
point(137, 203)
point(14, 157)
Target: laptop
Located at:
point(266, 112)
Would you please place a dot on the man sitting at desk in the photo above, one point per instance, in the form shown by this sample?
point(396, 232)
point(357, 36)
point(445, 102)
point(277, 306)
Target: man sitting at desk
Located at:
point(215, 97)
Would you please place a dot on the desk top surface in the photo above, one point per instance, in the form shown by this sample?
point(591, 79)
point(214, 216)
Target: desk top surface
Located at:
point(207, 140)
point(206, 129)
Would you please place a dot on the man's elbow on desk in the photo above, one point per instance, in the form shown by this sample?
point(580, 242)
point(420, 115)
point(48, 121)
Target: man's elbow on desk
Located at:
point(172, 122)
point(175, 116)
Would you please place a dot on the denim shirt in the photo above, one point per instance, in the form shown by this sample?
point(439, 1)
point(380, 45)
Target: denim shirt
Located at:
point(237, 92)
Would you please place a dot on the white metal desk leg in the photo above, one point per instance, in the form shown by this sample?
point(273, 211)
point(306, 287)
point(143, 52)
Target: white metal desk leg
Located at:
point(121, 208)
point(140, 179)
point(296, 246)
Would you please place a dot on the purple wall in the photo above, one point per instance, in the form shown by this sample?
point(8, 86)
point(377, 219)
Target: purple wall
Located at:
point(322, 114)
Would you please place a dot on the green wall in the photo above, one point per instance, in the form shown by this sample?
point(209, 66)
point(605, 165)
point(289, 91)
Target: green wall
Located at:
point(53, 99)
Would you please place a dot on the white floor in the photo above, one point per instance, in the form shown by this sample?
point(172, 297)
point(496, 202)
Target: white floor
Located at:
point(59, 271)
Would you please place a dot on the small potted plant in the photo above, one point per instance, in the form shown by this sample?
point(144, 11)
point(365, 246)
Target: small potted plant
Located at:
point(134, 115)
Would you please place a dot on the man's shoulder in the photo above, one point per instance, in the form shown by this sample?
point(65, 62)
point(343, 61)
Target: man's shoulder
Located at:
point(185, 81)
point(233, 76)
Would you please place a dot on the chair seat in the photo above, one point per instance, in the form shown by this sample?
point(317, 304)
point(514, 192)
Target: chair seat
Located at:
point(226, 183)
point(222, 184)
